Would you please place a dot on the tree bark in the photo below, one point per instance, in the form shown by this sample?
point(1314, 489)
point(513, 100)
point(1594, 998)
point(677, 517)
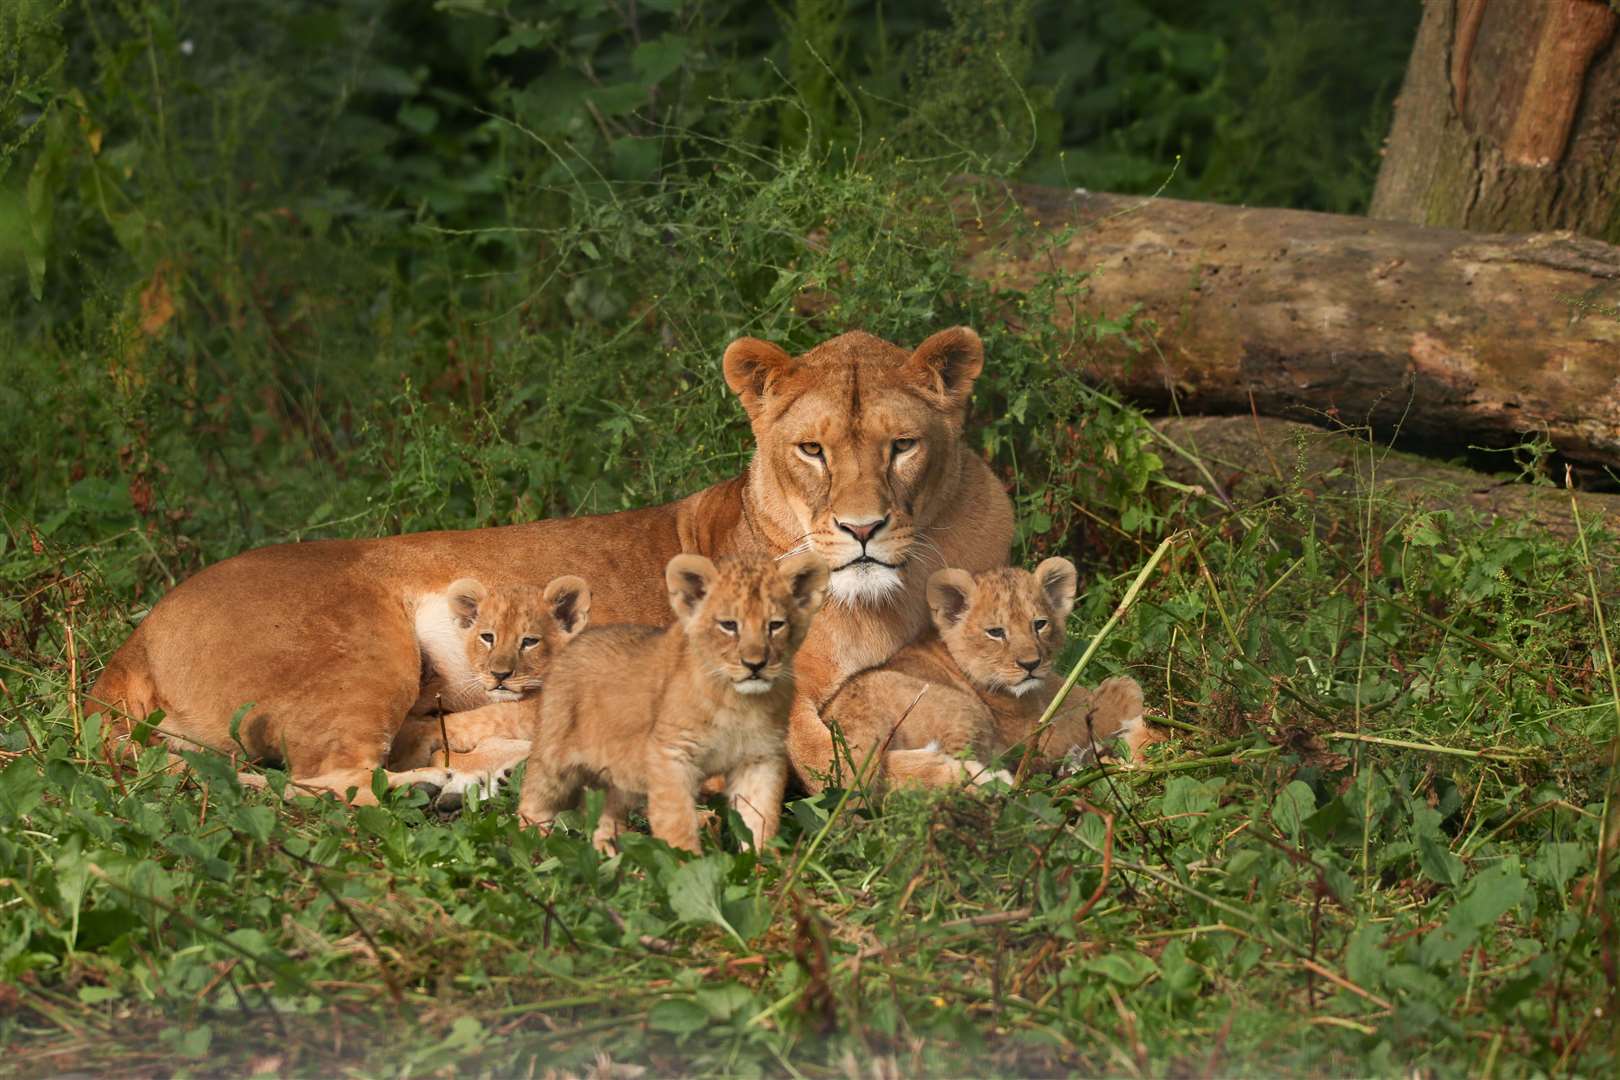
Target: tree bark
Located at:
point(1509, 120)
point(1257, 456)
point(1455, 337)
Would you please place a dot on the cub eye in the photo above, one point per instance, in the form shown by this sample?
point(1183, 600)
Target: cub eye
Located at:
point(727, 625)
point(776, 625)
point(529, 642)
point(996, 632)
point(811, 450)
point(1040, 624)
point(900, 446)
point(487, 638)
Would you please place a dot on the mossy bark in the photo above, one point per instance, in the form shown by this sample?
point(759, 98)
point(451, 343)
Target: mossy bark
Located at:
point(1452, 337)
point(1509, 120)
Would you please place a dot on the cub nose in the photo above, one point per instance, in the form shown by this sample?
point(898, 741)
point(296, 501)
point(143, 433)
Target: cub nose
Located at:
point(754, 666)
point(1030, 665)
point(502, 676)
point(864, 530)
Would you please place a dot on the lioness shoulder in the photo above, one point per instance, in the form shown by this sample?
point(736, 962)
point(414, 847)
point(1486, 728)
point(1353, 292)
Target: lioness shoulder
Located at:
point(650, 713)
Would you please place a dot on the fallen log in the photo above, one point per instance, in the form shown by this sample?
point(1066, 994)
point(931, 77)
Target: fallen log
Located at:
point(1255, 457)
point(1450, 336)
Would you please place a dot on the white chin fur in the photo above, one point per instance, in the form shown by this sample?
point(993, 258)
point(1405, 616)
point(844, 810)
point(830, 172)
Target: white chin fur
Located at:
point(864, 583)
point(504, 695)
point(751, 686)
point(1022, 688)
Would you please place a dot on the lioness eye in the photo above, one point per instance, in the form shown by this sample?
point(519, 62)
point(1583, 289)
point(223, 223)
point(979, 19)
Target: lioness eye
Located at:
point(487, 638)
point(902, 445)
point(996, 632)
point(811, 450)
point(728, 625)
point(776, 624)
point(1040, 624)
point(530, 642)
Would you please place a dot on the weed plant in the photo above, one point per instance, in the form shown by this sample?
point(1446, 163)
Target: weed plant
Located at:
point(277, 275)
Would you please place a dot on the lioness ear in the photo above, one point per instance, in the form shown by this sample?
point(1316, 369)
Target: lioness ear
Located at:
point(689, 577)
point(948, 362)
point(465, 594)
point(807, 579)
point(749, 365)
point(1057, 579)
point(570, 601)
point(949, 593)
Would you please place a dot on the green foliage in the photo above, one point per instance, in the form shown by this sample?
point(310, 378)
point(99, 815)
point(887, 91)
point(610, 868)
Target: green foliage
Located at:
point(275, 272)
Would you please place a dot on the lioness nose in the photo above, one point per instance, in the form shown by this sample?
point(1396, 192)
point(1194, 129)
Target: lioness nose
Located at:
point(1030, 665)
point(865, 530)
point(502, 676)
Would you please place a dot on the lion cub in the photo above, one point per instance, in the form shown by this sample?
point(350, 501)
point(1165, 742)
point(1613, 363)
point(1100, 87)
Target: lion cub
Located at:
point(482, 645)
point(652, 712)
point(985, 679)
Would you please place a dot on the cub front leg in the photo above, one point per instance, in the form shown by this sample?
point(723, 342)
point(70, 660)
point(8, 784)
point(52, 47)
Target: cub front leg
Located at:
point(615, 811)
point(672, 785)
point(756, 791)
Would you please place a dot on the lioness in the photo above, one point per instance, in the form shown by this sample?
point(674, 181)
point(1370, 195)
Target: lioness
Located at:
point(858, 456)
point(980, 684)
point(647, 712)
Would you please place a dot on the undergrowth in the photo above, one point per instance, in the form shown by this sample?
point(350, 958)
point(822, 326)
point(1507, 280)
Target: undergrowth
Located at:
point(283, 278)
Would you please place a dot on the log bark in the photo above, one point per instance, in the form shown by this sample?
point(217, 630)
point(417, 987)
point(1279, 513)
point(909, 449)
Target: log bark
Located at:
point(1508, 120)
point(1255, 457)
point(1449, 336)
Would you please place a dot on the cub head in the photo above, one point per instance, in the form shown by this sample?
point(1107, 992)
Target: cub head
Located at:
point(513, 632)
point(1003, 627)
point(858, 446)
point(746, 617)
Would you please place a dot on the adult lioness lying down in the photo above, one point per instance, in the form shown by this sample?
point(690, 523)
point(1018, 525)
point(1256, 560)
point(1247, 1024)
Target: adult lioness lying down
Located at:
point(858, 455)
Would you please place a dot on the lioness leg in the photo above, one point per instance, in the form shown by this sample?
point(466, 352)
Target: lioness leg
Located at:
point(421, 738)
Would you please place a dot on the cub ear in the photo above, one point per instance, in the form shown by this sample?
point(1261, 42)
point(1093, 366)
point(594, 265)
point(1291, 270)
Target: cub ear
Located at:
point(949, 594)
point(570, 601)
point(465, 595)
point(749, 365)
point(689, 577)
point(947, 363)
point(806, 575)
point(1057, 579)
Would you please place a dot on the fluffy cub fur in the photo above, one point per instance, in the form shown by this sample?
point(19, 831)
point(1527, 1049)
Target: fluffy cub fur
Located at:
point(482, 645)
point(652, 712)
point(980, 683)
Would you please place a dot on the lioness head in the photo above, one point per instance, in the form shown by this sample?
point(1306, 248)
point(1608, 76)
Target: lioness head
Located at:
point(514, 631)
point(855, 439)
point(1003, 627)
point(746, 617)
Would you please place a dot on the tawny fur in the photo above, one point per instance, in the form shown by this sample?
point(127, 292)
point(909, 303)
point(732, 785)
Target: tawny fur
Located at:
point(320, 636)
point(979, 684)
point(646, 712)
point(479, 646)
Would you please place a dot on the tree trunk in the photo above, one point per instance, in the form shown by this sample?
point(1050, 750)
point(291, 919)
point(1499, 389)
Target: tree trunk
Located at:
point(1509, 120)
point(1455, 337)
point(1255, 457)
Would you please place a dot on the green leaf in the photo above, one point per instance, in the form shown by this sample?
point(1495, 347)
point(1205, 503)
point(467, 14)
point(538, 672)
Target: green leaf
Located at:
point(1292, 806)
point(678, 1016)
point(1125, 966)
point(1436, 860)
point(656, 60)
point(21, 788)
point(694, 892)
point(1556, 864)
point(418, 117)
